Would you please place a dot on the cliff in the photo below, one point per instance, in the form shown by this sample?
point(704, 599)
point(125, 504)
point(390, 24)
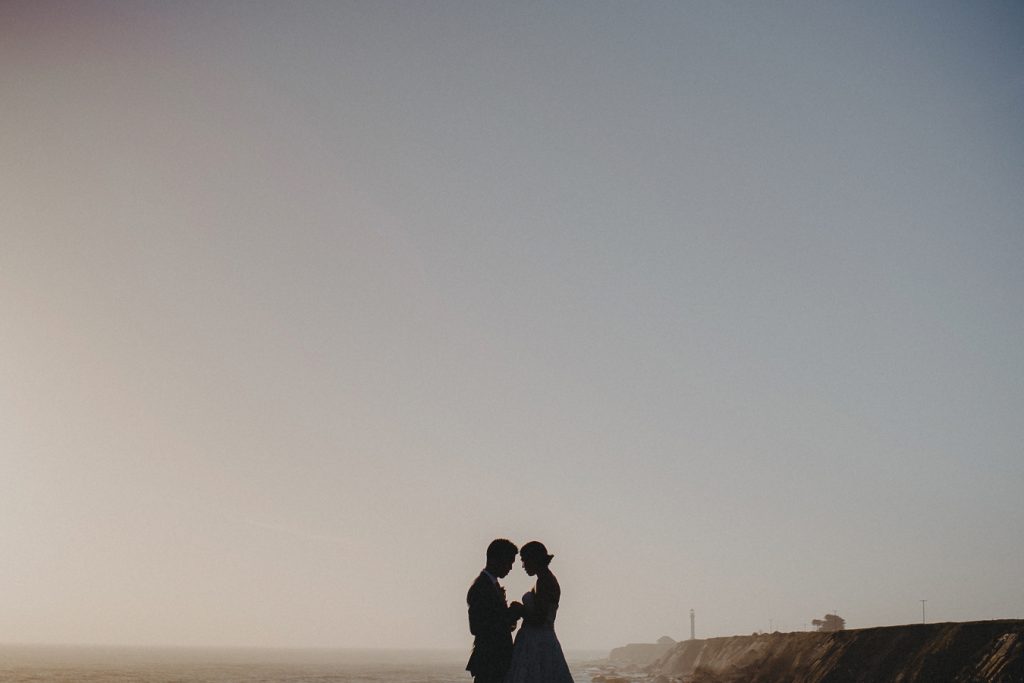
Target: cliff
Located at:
point(974, 652)
point(642, 654)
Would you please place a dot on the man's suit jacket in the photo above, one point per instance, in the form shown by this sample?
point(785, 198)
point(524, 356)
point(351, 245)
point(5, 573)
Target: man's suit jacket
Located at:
point(490, 622)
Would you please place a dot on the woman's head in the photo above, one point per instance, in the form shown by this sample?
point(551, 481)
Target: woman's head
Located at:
point(535, 557)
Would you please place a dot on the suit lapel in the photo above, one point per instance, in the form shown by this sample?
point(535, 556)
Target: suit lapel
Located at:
point(494, 590)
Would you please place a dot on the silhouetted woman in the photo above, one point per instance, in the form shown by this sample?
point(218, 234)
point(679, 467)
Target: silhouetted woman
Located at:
point(537, 655)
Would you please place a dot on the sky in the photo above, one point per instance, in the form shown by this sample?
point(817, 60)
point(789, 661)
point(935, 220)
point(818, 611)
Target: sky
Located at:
point(302, 304)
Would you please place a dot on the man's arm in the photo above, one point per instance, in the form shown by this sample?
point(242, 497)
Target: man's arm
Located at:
point(487, 615)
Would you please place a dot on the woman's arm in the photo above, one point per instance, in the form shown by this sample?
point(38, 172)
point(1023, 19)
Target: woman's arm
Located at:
point(546, 596)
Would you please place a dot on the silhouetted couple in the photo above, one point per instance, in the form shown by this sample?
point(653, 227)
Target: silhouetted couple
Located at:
point(536, 656)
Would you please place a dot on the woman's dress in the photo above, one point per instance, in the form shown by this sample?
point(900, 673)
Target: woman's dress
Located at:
point(537, 655)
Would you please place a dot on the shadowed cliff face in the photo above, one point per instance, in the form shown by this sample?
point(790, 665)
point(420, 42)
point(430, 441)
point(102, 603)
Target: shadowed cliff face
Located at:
point(641, 654)
point(976, 652)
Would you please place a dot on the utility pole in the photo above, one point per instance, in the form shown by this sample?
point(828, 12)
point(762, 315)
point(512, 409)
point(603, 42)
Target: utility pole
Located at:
point(922, 612)
point(693, 632)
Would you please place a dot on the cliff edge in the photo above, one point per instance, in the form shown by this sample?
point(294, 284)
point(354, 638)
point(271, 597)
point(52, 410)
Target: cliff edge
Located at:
point(642, 654)
point(973, 652)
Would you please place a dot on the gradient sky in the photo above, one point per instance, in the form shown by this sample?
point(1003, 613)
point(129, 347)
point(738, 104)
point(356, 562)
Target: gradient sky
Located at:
point(301, 304)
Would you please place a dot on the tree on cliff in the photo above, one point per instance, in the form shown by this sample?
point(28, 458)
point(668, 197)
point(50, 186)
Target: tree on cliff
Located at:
point(831, 623)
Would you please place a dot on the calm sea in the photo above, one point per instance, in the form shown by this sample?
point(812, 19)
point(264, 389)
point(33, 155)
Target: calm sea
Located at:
point(23, 663)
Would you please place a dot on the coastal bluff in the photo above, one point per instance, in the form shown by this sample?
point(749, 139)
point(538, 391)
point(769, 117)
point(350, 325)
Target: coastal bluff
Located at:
point(639, 655)
point(971, 652)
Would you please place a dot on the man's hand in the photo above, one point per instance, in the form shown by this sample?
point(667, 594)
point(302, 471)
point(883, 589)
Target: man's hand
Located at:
point(516, 609)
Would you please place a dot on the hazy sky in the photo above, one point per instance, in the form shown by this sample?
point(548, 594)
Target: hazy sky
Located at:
point(301, 304)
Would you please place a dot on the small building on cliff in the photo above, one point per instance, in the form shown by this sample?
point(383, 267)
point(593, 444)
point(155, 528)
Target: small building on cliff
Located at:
point(830, 624)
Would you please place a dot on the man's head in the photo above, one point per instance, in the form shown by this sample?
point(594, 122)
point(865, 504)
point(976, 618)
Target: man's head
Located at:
point(501, 555)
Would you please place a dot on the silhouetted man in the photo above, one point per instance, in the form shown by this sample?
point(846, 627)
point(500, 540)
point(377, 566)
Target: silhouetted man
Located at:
point(491, 620)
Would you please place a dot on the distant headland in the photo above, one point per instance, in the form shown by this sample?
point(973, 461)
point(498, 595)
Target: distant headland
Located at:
point(980, 652)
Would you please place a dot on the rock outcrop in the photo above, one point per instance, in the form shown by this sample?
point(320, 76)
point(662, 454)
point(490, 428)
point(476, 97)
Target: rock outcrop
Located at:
point(974, 652)
point(642, 654)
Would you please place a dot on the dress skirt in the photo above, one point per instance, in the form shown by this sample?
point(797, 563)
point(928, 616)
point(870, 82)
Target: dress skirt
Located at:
point(537, 657)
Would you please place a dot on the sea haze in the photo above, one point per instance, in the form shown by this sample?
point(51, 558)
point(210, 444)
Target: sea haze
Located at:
point(23, 663)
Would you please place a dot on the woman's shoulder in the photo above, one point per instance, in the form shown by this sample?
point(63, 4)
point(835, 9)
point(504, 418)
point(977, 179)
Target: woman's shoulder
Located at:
point(549, 584)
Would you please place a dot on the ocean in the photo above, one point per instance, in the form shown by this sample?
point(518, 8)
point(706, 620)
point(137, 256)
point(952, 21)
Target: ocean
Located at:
point(38, 663)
